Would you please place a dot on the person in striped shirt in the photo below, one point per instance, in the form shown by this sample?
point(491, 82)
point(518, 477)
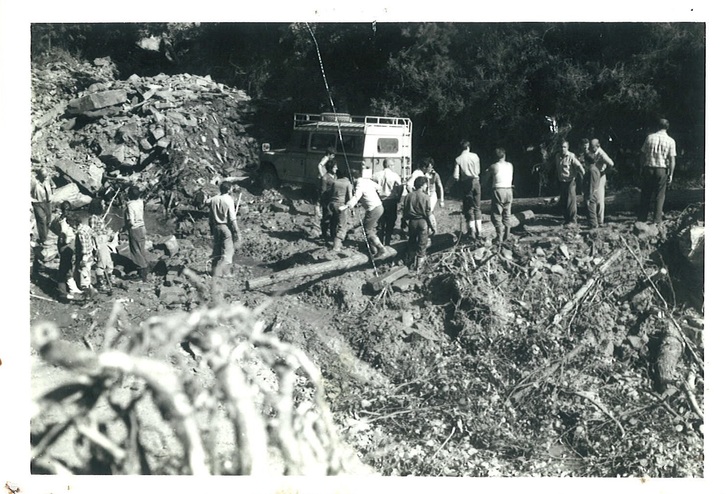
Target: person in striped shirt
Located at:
point(657, 160)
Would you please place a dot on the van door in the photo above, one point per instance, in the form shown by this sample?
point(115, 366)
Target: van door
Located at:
point(291, 167)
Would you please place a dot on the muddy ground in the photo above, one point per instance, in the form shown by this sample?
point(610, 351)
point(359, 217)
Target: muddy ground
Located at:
point(473, 366)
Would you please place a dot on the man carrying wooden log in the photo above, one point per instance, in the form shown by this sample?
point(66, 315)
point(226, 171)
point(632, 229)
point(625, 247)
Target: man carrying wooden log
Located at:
point(223, 225)
point(501, 175)
point(366, 191)
point(417, 214)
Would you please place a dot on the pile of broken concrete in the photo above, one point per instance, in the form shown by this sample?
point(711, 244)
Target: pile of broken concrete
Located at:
point(172, 135)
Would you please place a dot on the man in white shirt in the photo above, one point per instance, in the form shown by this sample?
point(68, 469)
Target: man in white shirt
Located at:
point(467, 170)
point(223, 225)
point(367, 193)
point(501, 175)
point(391, 188)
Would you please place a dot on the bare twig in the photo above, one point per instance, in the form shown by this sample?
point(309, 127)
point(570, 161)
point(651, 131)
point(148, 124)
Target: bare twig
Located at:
point(42, 298)
point(600, 406)
point(688, 386)
point(443, 444)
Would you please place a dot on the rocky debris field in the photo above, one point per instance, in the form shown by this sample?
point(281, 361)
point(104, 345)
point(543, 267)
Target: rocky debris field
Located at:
point(562, 353)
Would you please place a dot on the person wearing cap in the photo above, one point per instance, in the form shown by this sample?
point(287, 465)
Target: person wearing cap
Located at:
point(366, 191)
point(657, 161)
point(466, 170)
point(391, 190)
point(501, 176)
point(223, 225)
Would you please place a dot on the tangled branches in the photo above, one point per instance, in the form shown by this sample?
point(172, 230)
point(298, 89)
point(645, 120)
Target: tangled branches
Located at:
point(267, 391)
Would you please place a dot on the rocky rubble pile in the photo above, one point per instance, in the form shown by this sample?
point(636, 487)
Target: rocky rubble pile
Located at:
point(172, 135)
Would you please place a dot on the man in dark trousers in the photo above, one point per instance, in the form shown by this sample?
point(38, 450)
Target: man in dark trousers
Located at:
point(136, 228)
point(417, 214)
point(501, 175)
point(466, 171)
point(567, 165)
point(657, 161)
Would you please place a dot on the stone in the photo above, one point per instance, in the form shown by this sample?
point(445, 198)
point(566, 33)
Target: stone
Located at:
point(645, 230)
point(96, 101)
point(88, 175)
point(114, 155)
point(171, 295)
point(72, 194)
point(279, 208)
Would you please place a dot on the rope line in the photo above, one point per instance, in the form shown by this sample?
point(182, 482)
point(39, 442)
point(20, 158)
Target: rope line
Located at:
point(340, 137)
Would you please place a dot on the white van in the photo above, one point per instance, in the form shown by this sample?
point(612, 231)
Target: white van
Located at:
point(355, 139)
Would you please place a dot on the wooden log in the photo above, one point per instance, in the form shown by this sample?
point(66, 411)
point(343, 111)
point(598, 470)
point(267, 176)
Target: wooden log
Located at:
point(625, 200)
point(439, 242)
point(353, 261)
point(669, 353)
point(379, 282)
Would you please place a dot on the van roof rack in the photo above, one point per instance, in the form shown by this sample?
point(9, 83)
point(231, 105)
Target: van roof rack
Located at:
point(325, 120)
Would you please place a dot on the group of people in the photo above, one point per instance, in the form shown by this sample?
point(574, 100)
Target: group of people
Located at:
point(592, 164)
point(85, 247)
point(380, 195)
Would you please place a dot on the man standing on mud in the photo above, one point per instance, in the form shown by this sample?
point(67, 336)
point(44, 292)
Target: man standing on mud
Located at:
point(417, 213)
point(366, 191)
point(41, 191)
point(467, 170)
point(136, 228)
point(657, 161)
point(501, 174)
point(567, 164)
point(391, 189)
point(223, 225)
point(598, 163)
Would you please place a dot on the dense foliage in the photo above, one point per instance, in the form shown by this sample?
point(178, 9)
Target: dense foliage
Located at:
point(493, 83)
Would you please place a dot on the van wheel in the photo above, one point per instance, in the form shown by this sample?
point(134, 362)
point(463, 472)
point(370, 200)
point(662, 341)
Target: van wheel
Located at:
point(268, 178)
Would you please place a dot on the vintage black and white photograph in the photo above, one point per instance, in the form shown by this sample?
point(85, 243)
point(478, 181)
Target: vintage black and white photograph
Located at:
point(441, 249)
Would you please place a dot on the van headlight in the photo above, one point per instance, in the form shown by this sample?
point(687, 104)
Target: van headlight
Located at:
point(265, 147)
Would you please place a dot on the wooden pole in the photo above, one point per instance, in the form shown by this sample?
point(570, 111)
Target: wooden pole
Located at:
point(353, 261)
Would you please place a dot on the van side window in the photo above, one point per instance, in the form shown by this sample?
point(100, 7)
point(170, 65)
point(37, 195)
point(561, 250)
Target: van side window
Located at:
point(352, 145)
point(320, 142)
point(387, 145)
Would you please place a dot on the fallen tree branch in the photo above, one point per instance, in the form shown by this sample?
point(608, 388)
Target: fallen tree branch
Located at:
point(686, 340)
point(569, 306)
point(688, 386)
